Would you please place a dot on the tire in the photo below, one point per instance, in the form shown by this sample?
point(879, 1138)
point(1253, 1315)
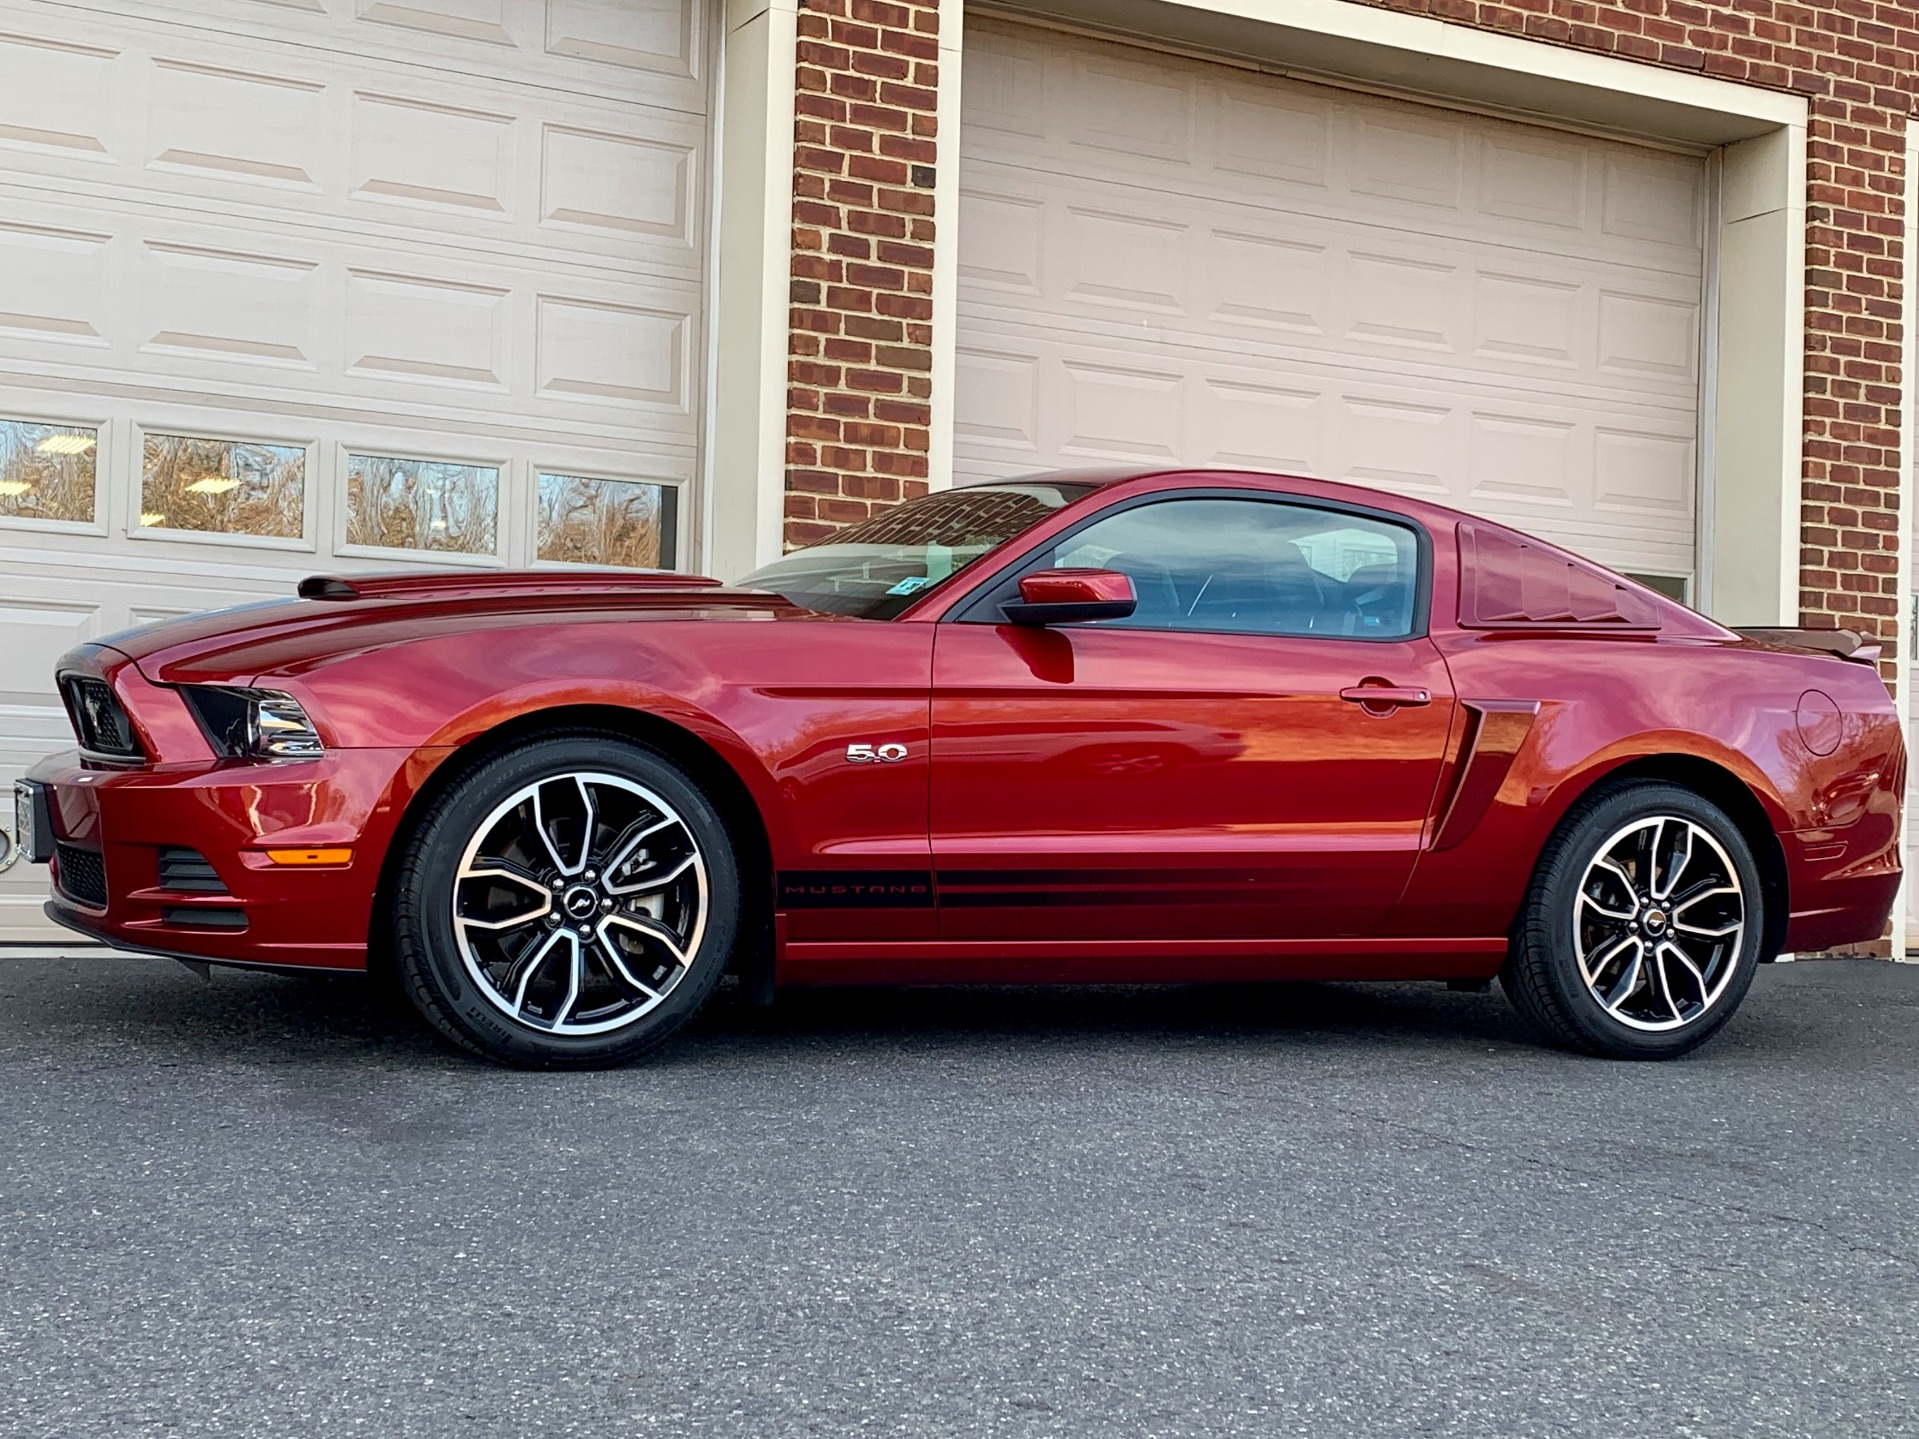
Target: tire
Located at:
point(1610, 891)
point(568, 904)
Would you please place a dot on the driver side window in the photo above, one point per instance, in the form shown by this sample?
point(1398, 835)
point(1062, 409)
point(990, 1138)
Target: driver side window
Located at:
point(1255, 566)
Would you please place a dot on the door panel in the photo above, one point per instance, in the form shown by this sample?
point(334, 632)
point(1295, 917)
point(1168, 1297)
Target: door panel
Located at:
point(1126, 783)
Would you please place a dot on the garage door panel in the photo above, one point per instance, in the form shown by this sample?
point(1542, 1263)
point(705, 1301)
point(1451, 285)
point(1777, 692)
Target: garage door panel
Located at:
point(50, 96)
point(1293, 356)
point(1041, 105)
point(1164, 259)
point(1558, 464)
point(284, 133)
point(54, 284)
point(586, 45)
point(292, 318)
point(1072, 251)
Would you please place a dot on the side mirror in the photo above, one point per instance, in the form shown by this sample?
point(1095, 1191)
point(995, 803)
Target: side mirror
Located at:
point(1057, 597)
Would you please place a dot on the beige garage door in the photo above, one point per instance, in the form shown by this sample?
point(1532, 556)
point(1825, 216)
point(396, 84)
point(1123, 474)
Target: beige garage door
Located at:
point(1164, 259)
point(335, 283)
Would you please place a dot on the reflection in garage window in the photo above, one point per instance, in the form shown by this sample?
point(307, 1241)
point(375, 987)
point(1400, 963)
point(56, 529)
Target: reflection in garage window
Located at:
point(421, 505)
point(608, 522)
point(223, 487)
point(46, 471)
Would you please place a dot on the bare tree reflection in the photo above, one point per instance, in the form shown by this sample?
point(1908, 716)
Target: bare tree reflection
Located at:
point(422, 505)
point(47, 471)
point(607, 522)
point(223, 487)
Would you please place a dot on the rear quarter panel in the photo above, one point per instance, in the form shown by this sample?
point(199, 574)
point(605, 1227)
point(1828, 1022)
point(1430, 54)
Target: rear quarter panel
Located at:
point(1605, 701)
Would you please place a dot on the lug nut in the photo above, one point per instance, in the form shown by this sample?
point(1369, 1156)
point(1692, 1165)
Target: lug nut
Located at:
point(591, 874)
point(586, 929)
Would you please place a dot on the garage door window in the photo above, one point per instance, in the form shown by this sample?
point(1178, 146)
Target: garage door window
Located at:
point(47, 471)
point(1255, 567)
point(223, 487)
point(402, 504)
point(608, 522)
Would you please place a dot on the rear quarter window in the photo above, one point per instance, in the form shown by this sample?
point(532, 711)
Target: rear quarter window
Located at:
point(1506, 582)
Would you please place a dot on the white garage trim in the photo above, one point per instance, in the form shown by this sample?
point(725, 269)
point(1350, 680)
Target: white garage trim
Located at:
point(1757, 445)
point(1416, 55)
point(1905, 689)
point(946, 255)
point(1760, 354)
point(746, 478)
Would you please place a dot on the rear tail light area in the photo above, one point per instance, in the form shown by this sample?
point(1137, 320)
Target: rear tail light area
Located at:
point(81, 874)
point(99, 722)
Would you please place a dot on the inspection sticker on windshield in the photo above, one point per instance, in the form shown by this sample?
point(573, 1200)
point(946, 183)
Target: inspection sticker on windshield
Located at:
point(912, 584)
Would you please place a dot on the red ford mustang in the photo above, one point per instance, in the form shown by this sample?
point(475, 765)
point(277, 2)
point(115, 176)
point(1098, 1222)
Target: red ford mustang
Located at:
point(1150, 726)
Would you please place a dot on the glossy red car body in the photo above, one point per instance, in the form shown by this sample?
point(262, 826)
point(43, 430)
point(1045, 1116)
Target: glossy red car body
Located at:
point(1073, 804)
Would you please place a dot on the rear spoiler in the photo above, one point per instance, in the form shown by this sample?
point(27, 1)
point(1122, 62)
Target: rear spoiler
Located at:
point(1845, 644)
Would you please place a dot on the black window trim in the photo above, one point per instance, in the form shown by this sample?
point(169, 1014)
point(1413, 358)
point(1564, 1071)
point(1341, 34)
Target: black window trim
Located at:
point(983, 605)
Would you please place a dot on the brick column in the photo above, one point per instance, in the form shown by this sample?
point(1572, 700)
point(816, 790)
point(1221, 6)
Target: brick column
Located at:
point(860, 357)
point(1855, 286)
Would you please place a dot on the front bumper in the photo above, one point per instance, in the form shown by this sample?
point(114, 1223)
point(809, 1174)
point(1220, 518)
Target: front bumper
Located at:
point(121, 822)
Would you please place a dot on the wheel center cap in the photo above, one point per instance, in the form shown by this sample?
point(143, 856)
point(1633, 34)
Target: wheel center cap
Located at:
point(580, 901)
point(1655, 920)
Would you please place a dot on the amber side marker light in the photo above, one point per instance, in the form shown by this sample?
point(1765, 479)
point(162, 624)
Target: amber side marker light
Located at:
point(310, 856)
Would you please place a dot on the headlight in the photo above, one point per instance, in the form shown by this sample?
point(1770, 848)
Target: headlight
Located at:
point(253, 724)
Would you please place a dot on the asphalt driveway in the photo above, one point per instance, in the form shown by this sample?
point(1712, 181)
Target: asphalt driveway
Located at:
point(270, 1207)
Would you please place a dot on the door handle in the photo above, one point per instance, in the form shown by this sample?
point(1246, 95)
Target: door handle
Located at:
point(1385, 697)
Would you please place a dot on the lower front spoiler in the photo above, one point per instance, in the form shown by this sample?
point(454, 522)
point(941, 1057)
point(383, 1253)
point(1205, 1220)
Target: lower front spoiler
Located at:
point(76, 920)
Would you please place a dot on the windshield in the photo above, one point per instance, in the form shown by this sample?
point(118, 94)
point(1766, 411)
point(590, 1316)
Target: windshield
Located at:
point(878, 567)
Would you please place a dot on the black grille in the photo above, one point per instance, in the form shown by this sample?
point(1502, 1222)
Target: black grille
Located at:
point(187, 871)
point(98, 722)
point(83, 874)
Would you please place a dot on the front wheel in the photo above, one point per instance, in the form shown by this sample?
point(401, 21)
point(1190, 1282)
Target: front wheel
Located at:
point(1642, 928)
point(569, 903)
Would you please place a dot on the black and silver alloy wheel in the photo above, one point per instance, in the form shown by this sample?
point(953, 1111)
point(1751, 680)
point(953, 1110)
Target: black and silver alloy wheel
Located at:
point(1659, 923)
point(568, 902)
point(1642, 927)
point(578, 903)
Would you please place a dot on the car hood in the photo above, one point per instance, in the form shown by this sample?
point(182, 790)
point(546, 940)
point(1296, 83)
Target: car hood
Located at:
point(340, 615)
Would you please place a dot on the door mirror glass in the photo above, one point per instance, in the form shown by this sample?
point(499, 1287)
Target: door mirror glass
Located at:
point(1053, 597)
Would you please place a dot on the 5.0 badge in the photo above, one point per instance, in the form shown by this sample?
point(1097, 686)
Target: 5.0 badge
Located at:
point(875, 753)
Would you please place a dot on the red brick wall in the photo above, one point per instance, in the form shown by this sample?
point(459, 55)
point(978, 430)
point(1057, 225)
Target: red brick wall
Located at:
point(860, 354)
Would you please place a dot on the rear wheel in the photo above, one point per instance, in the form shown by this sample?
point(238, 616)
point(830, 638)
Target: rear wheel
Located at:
point(570, 903)
point(1642, 928)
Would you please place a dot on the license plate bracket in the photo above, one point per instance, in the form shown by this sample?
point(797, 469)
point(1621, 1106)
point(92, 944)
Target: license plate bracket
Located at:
point(32, 824)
